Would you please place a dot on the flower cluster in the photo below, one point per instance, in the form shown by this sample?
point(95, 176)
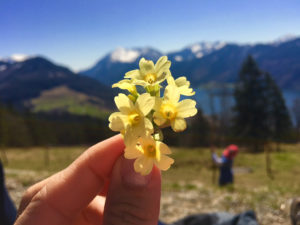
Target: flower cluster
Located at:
point(143, 113)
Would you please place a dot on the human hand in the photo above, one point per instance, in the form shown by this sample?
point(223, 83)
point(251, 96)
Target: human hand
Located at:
point(99, 188)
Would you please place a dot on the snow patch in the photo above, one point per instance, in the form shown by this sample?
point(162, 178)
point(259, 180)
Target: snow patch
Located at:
point(15, 58)
point(178, 58)
point(209, 45)
point(195, 48)
point(220, 45)
point(199, 55)
point(124, 55)
point(285, 38)
point(3, 67)
point(203, 48)
point(19, 57)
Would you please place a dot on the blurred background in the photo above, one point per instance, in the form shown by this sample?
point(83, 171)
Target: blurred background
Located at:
point(58, 60)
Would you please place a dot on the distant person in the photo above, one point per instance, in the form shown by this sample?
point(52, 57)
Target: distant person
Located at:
point(225, 164)
point(8, 211)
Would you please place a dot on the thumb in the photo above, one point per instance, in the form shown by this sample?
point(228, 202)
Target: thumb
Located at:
point(132, 198)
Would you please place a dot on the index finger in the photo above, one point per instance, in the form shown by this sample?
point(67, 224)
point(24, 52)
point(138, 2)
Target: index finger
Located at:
point(72, 189)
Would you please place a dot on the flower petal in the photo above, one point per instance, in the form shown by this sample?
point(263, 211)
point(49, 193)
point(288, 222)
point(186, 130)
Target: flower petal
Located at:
point(164, 163)
point(182, 81)
point(145, 103)
point(140, 129)
point(124, 104)
point(140, 82)
point(143, 165)
point(130, 137)
point(117, 121)
point(160, 62)
point(132, 153)
point(125, 85)
point(161, 76)
point(178, 124)
point(172, 94)
point(133, 74)
point(146, 140)
point(163, 148)
point(148, 125)
point(164, 71)
point(170, 80)
point(158, 119)
point(186, 108)
point(162, 68)
point(157, 105)
point(185, 90)
point(146, 66)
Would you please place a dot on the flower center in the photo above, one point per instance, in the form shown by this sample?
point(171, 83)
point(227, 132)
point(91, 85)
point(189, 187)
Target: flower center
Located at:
point(150, 151)
point(150, 78)
point(134, 118)
point(168, 111)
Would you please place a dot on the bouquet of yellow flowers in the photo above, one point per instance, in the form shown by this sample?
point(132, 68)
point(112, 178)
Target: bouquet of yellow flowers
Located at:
point(144, 112)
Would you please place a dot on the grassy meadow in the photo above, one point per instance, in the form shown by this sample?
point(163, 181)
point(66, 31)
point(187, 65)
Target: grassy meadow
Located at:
point(191, 183)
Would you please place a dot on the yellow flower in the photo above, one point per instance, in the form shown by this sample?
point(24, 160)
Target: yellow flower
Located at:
point(147, 153)
point(132, 117)
point(170, 110)
point(150, 74)
point(126, 85)
point(183, 85)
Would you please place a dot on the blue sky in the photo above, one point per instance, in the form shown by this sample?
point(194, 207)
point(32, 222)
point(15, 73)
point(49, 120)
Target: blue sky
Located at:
point(77, 33)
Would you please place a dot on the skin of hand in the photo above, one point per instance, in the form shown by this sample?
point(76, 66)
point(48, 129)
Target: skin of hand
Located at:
point(99, 188)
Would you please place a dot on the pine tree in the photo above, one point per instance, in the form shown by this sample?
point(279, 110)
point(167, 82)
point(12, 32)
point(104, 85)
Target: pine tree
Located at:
point(279, 120)
point(296, 112)
point(250, 112)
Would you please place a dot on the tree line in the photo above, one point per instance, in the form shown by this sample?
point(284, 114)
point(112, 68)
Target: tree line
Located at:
point(19, 129)
point(259, 116)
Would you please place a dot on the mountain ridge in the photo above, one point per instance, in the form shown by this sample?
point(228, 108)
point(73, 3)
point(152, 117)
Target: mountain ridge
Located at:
point(22, 82)
point(213, 61)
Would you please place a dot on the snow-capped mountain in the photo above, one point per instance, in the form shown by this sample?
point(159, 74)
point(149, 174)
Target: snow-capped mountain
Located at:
point(15, 58)
point(197, 50)
point(124, 55)
point(209, 61)
point(283, 39)
point(121, 60)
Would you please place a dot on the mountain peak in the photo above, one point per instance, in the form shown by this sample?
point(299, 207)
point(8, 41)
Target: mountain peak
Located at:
point(15, 58)
point(202, 48)
point(285, 38)
point(197, 50)
point(124, 55)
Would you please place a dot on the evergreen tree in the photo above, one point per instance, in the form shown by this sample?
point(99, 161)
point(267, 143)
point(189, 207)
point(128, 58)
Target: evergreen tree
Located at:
point(296, 112)
point(279, 120)
point(250, 112)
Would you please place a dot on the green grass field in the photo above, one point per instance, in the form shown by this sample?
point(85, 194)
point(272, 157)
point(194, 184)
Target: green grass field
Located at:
point(190, 165)
point(192, 172)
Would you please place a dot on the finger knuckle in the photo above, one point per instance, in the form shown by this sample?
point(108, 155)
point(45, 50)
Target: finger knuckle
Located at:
point(28, 194)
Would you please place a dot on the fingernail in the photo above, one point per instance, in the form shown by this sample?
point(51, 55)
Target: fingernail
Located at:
point(130, 177)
